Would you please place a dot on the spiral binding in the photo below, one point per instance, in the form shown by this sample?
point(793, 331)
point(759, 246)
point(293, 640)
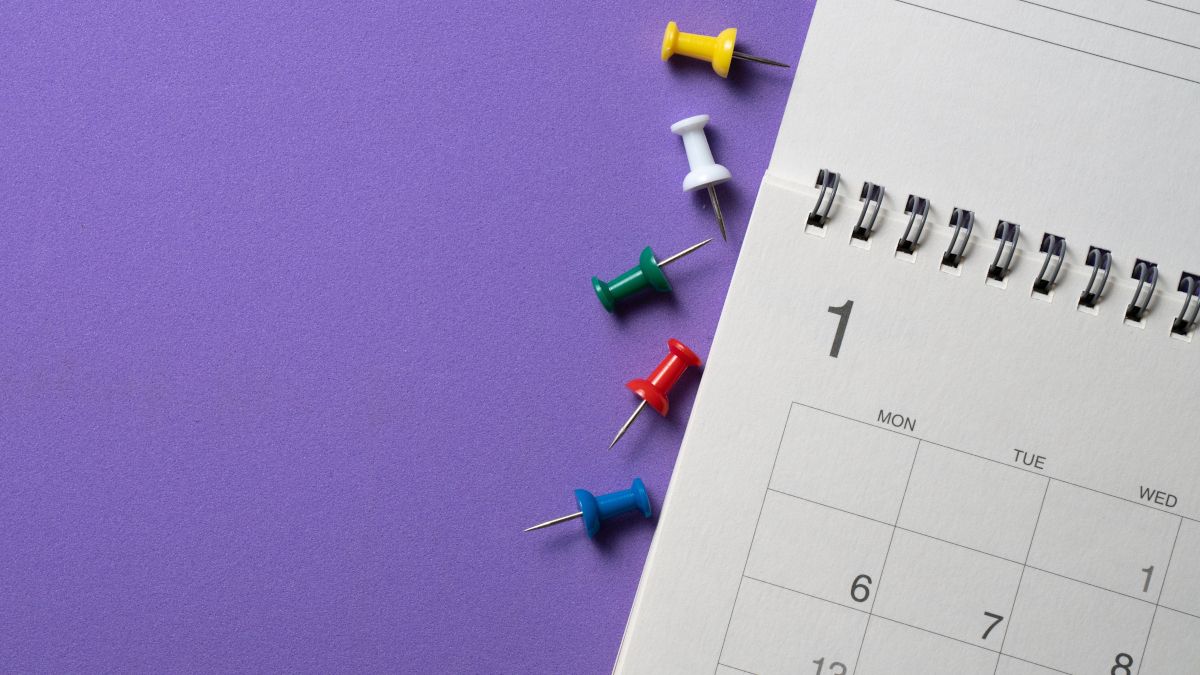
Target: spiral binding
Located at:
point(1100, 260)
point(1007, 236)
point(1055, 248)
point(872, 199)
point(963, 222)
point(1144, 272)
point(827, 181)
point(914, 207)
point(1190, 285)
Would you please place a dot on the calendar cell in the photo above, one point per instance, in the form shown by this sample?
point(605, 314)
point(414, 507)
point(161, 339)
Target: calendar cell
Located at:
point(1011, 666)
point(816, 550)
point(845, 464)
point(1074, 627)
point(1102, 540)
point(891, 648)
point(980, 504)
point(1174, 646)
point(947, 589)
point(777, 631)
point(1181, 583)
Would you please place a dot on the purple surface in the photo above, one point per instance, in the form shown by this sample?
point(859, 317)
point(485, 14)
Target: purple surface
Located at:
point(297, 332)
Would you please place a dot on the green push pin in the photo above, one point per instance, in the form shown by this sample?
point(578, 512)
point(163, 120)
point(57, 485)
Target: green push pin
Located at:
point(647, 274)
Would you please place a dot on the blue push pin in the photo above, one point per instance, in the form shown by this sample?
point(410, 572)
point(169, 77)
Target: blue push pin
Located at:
point(595, 509)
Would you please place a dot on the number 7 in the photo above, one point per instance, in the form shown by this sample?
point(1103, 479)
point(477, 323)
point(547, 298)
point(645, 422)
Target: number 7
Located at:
point(995, 623)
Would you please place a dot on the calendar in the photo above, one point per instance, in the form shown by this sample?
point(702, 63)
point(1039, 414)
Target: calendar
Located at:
point(947, 424)
point(917, 471)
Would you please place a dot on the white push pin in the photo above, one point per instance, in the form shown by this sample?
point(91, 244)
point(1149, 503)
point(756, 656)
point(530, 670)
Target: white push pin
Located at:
point(705, 172)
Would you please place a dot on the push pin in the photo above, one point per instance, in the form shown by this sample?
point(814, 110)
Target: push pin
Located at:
point(717, 50)
point(705, 172)
point(595, 510)
point(647, 274)
point(654, 389)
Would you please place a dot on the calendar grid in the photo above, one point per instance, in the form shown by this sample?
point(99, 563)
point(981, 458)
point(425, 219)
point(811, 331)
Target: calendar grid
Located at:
point(879, 584)
point(904, 529)
point(1024, 566)
point(989, 459)
point(750, 548)
point(987, 553)
point(884, 618)
point(1158, 599)
point(870, 611)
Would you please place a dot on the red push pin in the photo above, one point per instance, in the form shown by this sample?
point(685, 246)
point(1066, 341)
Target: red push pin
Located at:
point(654, 389)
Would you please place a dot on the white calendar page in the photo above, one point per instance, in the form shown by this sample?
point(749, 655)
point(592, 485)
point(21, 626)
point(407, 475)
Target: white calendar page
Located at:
point(972, 478)
point(982, 480)
point(897, 467)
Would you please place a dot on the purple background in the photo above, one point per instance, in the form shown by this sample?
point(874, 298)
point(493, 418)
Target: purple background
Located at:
point(297, 334)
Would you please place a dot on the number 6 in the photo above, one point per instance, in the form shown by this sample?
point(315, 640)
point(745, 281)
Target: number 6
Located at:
point(858, 586)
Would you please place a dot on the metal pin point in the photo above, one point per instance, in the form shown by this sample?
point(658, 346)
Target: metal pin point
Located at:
point(625, 427)
point(758, 59)
point(677, 256)
point(548, 523)
point(716, 204)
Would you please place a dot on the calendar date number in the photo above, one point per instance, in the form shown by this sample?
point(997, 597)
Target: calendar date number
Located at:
point(834, 668)
point(860, 590)
point(996, 619)
point(843, 314)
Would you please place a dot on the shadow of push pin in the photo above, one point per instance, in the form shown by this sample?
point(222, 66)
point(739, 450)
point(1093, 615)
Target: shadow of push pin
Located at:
point(654, 389)
point(647, 274)
point(704, 170)
point(716, 50)
point(595, 510)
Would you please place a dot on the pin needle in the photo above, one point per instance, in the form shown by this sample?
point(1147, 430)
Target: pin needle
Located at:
point(625, 427)
point(758, 59)
point(712, 197)
point(677, 256)
point(548, 523)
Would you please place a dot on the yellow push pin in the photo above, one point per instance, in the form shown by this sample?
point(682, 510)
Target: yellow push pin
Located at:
point(717, 50)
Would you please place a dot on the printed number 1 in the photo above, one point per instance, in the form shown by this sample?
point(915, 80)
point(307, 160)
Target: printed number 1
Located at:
point(844, 313)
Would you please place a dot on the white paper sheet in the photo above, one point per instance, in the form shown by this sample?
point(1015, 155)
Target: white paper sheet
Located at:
point(984, 479)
